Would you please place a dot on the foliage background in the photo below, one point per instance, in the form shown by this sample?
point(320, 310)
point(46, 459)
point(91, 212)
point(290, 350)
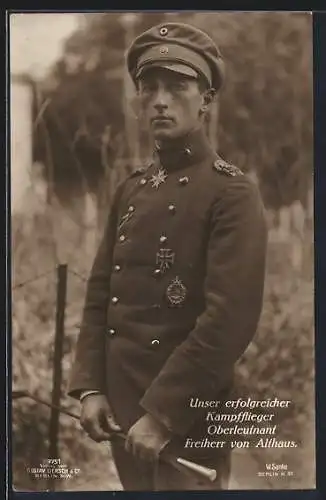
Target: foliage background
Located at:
point(85, 140)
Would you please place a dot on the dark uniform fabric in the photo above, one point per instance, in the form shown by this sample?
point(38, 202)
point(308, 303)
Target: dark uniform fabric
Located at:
point(175, 292)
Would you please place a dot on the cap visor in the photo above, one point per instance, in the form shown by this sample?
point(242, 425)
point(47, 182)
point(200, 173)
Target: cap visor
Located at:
point(177, 68)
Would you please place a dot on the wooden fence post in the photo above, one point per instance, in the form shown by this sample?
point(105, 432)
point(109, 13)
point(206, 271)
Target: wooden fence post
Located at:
point(57, 366)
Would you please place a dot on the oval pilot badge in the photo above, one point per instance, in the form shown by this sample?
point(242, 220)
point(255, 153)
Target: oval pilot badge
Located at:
point(176, 292)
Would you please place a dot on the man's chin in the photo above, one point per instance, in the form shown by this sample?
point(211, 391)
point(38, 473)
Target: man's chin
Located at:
point(163, 133)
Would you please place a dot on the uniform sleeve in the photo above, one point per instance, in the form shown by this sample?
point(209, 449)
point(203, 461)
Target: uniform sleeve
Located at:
point(88, 370)
point(202, 365)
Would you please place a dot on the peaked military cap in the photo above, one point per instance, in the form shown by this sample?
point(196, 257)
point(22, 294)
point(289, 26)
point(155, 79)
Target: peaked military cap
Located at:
point(179, 47)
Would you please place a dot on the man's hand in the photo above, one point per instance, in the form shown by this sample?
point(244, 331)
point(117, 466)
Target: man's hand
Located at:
point(97, 419)
point(147, 437)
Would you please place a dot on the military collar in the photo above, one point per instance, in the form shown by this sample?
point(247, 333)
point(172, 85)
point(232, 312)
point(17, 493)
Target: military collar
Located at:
point(191, 149)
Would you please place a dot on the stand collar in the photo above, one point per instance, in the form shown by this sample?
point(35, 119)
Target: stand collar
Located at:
point(185, 151)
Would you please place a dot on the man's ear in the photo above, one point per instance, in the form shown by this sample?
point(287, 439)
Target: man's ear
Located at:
point(208, 98)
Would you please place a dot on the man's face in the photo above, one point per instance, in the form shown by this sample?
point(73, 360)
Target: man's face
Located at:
point(170, 103)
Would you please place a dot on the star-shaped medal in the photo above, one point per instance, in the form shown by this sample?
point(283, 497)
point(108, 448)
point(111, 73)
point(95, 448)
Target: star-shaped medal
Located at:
point(158, 178)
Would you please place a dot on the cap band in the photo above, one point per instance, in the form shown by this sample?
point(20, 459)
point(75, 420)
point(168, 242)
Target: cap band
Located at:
point(182, 69)
point(175, 53)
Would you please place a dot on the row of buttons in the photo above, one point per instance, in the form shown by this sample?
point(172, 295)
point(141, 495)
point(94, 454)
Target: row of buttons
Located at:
point(157, 272)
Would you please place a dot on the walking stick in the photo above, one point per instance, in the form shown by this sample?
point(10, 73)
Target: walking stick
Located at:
point(189, 466)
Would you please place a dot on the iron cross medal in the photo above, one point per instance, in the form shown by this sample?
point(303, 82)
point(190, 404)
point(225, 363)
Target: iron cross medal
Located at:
point(165, 259)
point(158, 178)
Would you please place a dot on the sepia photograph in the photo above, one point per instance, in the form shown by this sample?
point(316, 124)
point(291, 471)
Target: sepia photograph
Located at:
point(162, 250)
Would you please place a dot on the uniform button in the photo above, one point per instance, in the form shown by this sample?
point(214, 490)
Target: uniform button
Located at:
point(117, 268)
point(131, 208)
point(114, 300)
point(112, 331)
point(183, 181)
point(163, 31)
point(188, 151)
point(155, 342)
point(122, 237)
point(163, 239)
point(143, 182)
point(172, 208)
point(157, 273)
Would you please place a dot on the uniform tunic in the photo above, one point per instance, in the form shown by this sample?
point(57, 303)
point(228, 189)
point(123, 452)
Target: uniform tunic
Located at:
point(175, 292)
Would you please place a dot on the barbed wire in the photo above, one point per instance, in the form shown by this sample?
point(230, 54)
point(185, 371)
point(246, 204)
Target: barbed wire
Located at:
point(75, 273)
point(49, 271)
point(32, 279)
point(50, 208)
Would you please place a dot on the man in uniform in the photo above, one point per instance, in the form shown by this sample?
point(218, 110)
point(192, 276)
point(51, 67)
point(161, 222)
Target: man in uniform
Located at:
point(175, 292)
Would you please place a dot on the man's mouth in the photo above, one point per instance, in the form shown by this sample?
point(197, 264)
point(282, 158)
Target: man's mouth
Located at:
point(161, 119)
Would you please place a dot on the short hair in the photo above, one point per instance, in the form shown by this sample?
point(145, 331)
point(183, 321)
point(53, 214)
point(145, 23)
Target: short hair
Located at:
point(203, 84)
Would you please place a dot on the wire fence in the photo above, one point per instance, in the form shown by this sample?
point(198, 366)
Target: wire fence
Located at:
point(62, 273)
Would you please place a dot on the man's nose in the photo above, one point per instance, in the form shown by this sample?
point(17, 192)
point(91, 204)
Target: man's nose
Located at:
point(160, 100)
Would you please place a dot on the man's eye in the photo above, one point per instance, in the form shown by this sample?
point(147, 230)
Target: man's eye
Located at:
point(147, 87)
point(177, 86)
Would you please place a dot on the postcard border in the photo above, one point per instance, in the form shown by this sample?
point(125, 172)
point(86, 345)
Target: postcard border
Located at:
point(319, 54)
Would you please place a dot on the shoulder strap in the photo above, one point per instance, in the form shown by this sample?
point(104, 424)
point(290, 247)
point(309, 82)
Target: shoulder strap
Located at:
point(223, 167)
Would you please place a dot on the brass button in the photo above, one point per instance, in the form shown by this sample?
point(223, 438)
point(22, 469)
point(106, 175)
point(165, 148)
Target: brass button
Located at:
point(163, 239)
point(155, 342)
point(112, 331)
point(131, 208)
point(114, 300)
point(188, 151)
point(143, 182)
point(157, 273)
point(117, 268)
point(122, 237)
point(172, 208)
